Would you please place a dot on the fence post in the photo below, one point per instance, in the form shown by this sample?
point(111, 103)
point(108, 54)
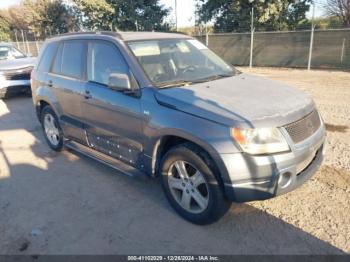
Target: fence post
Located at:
point(16, 38)
point(342, 51)
point(23, 44)
point(251, 39)
point(37, 46)
point(28, 50)
point(310, 48)
point(312, 36)
point(206, 38)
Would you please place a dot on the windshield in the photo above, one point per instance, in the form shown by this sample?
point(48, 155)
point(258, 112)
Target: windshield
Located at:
point(10, 52)
point(179, 61)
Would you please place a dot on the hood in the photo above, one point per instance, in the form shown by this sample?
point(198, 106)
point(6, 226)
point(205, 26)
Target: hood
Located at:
point(243, 100)
point(18, 63)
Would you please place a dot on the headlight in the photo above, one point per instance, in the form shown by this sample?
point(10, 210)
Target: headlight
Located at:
point(260, 140)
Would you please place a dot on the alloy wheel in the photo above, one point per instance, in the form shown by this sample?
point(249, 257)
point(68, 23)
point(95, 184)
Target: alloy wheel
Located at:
point(188, 187)
point(51, 129)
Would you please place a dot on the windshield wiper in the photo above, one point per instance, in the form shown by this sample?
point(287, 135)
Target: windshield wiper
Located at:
point(188, 82)
point(211, 78)
point(175, 83)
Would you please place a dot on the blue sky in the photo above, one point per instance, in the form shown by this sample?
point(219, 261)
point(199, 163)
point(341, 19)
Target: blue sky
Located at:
point(185, 9)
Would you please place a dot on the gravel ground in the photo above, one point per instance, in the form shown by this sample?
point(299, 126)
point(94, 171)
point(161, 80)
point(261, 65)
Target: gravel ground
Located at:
point(64, 203)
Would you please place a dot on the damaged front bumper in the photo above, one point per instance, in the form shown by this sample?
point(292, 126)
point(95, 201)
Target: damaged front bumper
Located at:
point(266, 176)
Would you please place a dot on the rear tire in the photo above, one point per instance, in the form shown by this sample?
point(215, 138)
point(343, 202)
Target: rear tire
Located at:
point(198, 198)
point(52, 130)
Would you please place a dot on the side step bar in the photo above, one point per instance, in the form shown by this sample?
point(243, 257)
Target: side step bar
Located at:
point(103, 158)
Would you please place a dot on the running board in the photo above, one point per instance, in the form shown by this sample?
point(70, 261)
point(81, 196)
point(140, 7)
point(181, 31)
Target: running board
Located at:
point(103, 158)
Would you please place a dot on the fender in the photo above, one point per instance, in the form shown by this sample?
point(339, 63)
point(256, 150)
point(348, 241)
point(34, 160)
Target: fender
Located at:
point(156, 145)
point(42, 93)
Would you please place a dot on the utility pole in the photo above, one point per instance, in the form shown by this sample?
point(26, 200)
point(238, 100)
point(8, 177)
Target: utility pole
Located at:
point(176, 14)
point(251, 38)
point(311, 37)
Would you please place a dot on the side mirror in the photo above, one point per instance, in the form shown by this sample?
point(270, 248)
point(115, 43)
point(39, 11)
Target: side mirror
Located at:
point(119, 82)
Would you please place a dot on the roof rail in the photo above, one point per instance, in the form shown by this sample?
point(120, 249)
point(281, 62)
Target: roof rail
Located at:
point(111, 33)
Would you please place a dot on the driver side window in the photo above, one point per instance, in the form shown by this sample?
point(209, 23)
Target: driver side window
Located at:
point(103, 59)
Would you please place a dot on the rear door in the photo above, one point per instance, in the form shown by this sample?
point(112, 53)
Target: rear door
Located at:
point(66, 79)
point(113, 118)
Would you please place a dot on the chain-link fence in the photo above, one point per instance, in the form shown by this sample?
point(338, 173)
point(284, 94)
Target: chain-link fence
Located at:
point(31, 48)
point(26, 41)
point(329, 48)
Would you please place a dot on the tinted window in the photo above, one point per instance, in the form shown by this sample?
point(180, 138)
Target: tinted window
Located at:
point(46, 58)
point(56, 68)
point(72, 59)
point(104, 59)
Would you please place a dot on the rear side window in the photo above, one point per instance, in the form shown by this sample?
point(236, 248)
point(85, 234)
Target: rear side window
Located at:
point(47, 56)
point(56, 68)
point(69, 59)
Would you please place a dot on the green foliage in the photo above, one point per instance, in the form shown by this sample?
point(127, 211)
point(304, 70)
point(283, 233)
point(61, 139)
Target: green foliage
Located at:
point(4, 30)
point(46, 17)
point(41, 17)
point(331, 22)
point(235, 15)
point(122, 14)
point(95, 14)
point(144, 15)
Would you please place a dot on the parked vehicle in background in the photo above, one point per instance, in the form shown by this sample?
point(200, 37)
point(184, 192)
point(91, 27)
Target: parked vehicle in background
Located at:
point(166, 105)
point(15, 69)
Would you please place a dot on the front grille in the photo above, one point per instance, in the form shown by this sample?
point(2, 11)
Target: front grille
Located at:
point(19, 74)
point(304, 128)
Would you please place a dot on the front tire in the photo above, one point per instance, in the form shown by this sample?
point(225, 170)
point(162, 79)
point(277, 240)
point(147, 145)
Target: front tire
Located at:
point(191, 187)
point(52, 130)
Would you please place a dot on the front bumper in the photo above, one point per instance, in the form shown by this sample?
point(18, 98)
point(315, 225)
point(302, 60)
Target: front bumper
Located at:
point(11, 87)
point(262, 177)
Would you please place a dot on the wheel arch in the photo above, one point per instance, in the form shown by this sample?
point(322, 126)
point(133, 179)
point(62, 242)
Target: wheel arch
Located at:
point(43, 96)
point(206, 151)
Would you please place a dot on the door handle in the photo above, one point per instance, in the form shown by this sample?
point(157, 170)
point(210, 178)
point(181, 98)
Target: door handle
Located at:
point(87, 94)
point(50, 84)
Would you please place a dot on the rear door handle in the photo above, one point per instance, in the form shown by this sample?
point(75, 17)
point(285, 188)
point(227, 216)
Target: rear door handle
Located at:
point(50, 84)
point(87, 94)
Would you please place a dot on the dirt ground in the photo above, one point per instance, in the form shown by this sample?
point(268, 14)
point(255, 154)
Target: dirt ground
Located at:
point(64, 203)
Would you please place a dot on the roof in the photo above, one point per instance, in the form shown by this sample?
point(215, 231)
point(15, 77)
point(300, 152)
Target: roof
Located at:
point(129, 36)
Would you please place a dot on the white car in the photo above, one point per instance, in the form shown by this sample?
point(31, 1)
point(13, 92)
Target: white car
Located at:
point(15, 69)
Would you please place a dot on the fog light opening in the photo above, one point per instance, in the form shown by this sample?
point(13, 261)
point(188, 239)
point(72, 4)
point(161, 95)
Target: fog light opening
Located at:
point(285, 179)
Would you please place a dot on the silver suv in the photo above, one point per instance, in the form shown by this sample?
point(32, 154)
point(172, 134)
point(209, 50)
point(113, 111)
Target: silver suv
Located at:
point(165, 105)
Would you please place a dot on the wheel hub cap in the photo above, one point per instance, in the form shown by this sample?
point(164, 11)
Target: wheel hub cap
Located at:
point(188, 187)
point(51, 129)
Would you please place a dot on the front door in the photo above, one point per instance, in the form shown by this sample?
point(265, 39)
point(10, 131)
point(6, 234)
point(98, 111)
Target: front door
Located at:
point(113, 118)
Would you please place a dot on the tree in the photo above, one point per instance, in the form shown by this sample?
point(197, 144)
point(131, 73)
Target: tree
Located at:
point(143, 15)
point(235, 15)
point(50, 15)
point(41, 17)
point(95, 14)
point(122, 14)
point(4, 30)
point(339, 8)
